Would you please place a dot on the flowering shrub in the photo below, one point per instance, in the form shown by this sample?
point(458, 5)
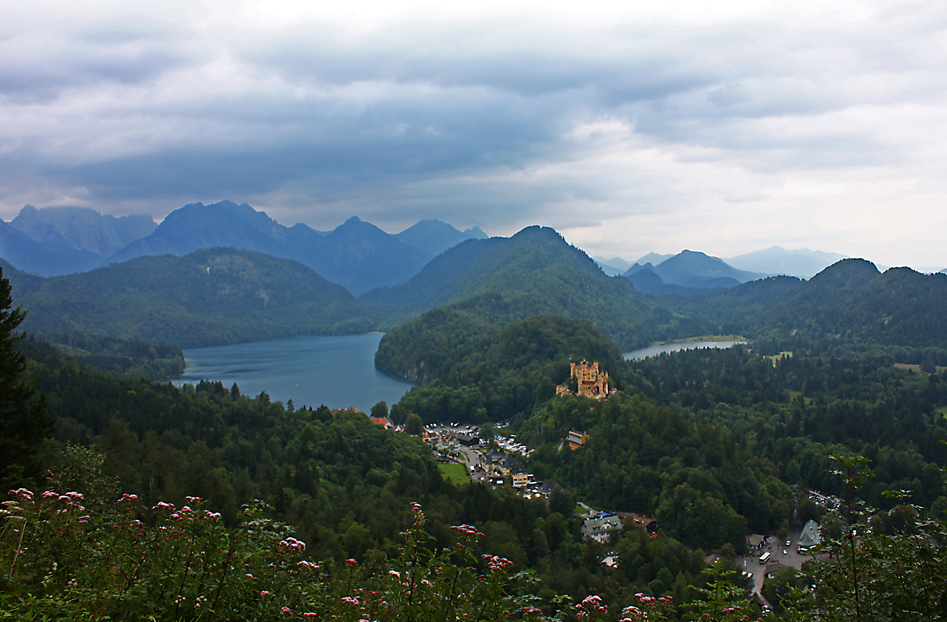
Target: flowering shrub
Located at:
point(180, 564)
point(60, 561)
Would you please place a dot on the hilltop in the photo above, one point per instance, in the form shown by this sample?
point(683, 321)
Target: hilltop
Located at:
point(211, 296)
point(535, 272)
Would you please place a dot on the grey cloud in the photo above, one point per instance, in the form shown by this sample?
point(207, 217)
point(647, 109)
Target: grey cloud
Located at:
point(40, 70)
point(412, 121)
point(616, 69)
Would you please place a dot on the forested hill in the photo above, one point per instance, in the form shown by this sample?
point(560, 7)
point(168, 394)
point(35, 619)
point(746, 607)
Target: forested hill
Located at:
point(535, 272)
point(476, 372)
point(850, 299)
point(212, 296)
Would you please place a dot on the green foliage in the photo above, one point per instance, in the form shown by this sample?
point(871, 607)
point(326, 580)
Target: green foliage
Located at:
point(799, 410)
point(849, 301)
point(478, 373)
point(210, 297)
point(64, 561)
point(718, 597)
point(136, 358)
point(703, 487)
point(534, 273)
point(338, 479)
point(24, 418)
point(886, 566)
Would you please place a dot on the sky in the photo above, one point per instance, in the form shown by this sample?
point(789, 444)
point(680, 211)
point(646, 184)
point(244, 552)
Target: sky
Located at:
point(724, 127)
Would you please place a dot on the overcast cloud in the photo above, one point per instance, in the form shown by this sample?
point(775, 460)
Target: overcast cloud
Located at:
point(725, 128)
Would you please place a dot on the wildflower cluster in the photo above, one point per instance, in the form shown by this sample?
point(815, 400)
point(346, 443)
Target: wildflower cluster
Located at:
point(177, 563)
point(649, 608)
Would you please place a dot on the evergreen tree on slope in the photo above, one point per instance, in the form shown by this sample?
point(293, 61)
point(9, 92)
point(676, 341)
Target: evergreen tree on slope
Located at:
point(24, 416)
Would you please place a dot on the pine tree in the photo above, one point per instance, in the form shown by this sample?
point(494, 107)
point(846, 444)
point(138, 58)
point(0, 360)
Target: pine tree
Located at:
point(24, 416)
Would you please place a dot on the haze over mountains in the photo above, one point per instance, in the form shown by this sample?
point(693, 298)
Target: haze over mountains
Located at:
point(356, 254)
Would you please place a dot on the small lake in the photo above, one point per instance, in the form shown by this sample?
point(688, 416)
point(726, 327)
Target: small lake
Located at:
point(643, 353)
point(337, 371)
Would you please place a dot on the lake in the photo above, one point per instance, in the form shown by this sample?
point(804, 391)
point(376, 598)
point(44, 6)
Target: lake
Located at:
point(336, 371)
point(643, 353)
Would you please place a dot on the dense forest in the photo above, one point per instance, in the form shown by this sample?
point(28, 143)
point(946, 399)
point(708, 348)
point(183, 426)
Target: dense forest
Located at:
point(344, 484)
point(714, 443)
point(212, 296)
point(850, 301)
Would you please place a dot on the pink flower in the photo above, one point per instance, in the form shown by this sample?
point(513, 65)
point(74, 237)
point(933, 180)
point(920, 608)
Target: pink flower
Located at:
point(293, 543)
point(496, 563)
point(468, 529)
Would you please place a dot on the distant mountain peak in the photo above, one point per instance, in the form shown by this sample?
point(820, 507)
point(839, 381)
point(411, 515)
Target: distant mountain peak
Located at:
point(434, 236)
point(537, 231)
point(802, 263)
point(693, 270)
point(73, 239)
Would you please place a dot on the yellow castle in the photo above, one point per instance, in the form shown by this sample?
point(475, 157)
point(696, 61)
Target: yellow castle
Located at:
point(590, 382)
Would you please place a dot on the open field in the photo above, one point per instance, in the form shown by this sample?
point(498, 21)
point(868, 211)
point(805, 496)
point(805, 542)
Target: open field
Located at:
point(454, 473)
point(773, 358)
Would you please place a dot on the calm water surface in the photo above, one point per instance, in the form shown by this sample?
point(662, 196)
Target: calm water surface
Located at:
point(336, 371)
point(643, 353)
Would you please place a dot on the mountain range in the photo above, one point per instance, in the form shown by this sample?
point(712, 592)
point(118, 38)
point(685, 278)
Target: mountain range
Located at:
point(357, 254)
point(802, 263)
point(226, 295)
point(687, 272)
point(62, 240)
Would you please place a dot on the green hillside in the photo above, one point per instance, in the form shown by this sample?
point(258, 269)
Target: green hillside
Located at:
point(850, 300)
point(535, 272)
point(212, 296)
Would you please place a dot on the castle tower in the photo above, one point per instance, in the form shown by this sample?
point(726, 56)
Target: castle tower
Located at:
point(590, 381)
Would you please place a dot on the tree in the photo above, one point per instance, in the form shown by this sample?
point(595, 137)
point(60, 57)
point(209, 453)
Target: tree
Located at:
point(380, 410)
point(24, 416)
point(413, 424)
point(487, 433)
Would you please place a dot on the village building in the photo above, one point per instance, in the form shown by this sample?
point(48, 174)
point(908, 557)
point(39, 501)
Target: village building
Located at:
point(600, 528)
point(756, 542)
point(499, 466)
point(649, 523)
point(577, 439)
point(811, 535)
point(548, 487)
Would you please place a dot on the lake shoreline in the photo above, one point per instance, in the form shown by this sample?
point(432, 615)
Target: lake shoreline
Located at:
point(693, 343)
point(336, 370)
